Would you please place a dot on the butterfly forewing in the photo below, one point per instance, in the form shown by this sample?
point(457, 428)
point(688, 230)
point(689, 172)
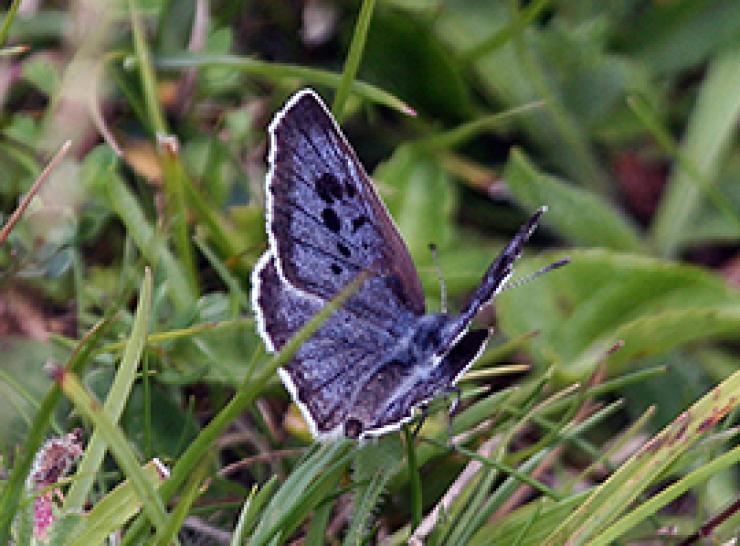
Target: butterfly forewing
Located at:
point(325, 220)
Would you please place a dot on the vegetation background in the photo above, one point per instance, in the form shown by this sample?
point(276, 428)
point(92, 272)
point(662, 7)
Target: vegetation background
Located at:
point(605, 409)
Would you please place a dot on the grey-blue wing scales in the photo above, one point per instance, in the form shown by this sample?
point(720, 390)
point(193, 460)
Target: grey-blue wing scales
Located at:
point(327, 369)
point(327, 223)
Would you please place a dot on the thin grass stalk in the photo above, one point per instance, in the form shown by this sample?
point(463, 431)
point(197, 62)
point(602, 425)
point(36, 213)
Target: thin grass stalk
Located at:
point(280, 72)
point(669, 494)
point(8, 20)
point(354, 56)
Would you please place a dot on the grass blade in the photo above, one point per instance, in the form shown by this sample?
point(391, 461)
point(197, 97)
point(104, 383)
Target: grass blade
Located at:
point(116, 399)
point(669, 494)
point(280, 72)
point(113, 510)
point(640, 471)
point(353, 58)
point(155, 118)
point(119, 447)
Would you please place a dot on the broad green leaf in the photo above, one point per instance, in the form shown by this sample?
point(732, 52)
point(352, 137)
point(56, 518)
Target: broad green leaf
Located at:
point(602, 297)
point(420, 197)
point(711, 127)
point(578, 215)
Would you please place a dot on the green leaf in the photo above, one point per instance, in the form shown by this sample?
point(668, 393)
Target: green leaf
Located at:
point(112, 511)
point(437, 86)
point(677, 36)
point(578, 215)
point(420, 197)
point(375, 464)
point(709, 134)
point(521, 71)
point(602, 297)
point(43, 74)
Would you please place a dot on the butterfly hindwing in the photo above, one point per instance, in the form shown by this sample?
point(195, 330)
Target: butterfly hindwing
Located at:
point(328, 369)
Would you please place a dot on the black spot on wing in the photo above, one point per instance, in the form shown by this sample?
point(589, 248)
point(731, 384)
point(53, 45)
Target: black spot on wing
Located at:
point(331, 220)
point(358, 222)
point(343, 250)
point(329, 188)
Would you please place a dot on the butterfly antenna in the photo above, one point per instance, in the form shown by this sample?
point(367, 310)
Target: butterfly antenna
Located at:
point(440, 278)
point(532, 276)
point(500, 270)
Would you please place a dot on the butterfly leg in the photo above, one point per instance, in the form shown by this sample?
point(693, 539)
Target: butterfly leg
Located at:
point(457, 392)
point(424, 414)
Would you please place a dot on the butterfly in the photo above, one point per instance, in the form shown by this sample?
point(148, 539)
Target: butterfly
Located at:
point(380, 355)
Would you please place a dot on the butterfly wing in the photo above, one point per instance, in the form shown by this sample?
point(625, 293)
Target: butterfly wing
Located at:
point(326, 224)
point(325, 221)
point(325, 373)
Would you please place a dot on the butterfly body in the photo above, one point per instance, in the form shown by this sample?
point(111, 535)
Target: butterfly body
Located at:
point(380, 355)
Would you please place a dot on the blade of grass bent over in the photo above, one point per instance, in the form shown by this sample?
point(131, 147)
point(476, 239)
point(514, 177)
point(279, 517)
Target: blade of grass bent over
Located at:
point(279, 72)
point(116, 398)
point(113, 511)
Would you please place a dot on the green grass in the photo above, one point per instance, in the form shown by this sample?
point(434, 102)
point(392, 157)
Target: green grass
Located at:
point(125, 261)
